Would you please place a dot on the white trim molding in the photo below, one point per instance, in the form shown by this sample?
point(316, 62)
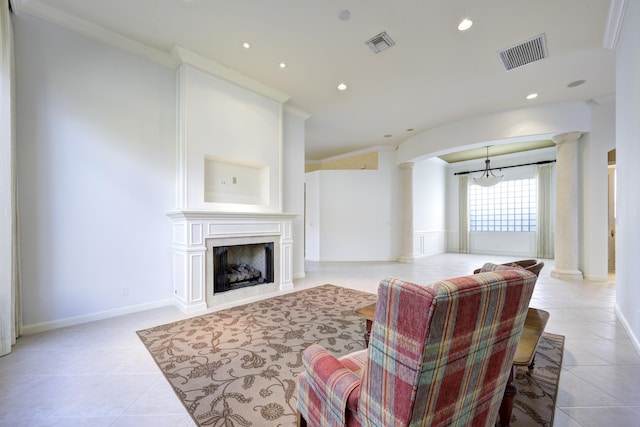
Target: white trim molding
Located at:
point(428, 243)
point(614, 23)
point(184, 56)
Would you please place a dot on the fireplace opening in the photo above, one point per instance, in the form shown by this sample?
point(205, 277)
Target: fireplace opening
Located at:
point(239, 266)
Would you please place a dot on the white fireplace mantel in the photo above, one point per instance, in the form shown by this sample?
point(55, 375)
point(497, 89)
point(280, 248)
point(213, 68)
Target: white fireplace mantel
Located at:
point(192, 229)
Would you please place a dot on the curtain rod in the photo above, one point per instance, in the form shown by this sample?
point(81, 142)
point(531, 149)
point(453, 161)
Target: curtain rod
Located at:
point(507, 167)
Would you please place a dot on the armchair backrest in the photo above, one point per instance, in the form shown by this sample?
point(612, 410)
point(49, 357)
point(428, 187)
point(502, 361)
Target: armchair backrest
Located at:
point(532, 265)
point(441, 354)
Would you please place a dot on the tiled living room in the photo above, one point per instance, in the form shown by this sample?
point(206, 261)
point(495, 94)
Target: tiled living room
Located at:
point(100, 373)
point(128, 161)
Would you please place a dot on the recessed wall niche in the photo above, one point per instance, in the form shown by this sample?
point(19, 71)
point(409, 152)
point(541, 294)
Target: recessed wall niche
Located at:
point(233, 182)
point(228, 126)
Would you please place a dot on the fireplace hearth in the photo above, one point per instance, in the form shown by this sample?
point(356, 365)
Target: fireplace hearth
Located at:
point(240, 266)
point(195, 235)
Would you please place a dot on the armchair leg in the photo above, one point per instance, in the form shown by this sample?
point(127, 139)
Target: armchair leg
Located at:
point(531, 365)
point(508, 399)
point(300, 421)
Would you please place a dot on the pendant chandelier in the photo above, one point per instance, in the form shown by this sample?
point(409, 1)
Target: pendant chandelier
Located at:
point(487, 179)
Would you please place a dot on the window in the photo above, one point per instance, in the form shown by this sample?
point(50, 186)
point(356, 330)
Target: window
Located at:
point(508, 206)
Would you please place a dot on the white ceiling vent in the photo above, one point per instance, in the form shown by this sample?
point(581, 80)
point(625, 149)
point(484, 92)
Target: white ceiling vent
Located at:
point(524, 53)
point(380, 42)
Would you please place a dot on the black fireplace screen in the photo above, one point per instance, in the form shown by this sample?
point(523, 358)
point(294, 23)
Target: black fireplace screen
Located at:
point(239, 266)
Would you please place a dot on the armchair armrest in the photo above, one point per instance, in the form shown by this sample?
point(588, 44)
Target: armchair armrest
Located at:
point(331, 380)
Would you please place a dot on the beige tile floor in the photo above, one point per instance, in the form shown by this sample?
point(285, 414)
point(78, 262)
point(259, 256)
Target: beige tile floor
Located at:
point(99, 374)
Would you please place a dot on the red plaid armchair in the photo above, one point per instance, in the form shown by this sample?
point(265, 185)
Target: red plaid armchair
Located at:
point(439, 355)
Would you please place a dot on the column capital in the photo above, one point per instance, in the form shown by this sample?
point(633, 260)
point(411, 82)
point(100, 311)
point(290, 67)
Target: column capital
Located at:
point(407, 165)
point(566, 137)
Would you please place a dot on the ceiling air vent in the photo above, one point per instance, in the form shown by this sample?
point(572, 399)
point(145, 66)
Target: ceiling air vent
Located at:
point(380, 42)
point(524, 53)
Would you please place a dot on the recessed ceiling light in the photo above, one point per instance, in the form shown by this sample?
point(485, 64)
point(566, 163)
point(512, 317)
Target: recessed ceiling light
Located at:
point(576, 83)
point(283, 65)
point(532, 96)
point(465, 24)
point(246, 45)
point(345, 15)
point(342, 86)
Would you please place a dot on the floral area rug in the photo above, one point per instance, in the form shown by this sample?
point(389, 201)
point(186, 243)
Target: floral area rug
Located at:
point(536, 399)
point(238, 367)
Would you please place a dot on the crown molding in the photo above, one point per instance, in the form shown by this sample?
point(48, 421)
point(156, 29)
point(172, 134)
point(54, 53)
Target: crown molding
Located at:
point(296, 111)
point(184, 56)
point(604, 100)
point(614, 23)
point(96, 32)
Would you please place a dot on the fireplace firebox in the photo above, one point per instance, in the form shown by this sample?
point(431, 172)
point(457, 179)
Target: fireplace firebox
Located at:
point(239, 266)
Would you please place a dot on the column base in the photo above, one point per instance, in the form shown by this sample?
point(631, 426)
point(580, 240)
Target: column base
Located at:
point(406, 260)
point(566, 274)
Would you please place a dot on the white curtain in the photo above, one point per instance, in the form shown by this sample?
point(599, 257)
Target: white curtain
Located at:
point(463, 214)
point(544, 236)
point(10, 303)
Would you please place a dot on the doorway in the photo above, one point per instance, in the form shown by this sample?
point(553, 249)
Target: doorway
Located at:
point(611, 238)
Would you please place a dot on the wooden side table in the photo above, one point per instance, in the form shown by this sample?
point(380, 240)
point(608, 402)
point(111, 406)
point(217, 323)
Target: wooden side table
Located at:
point(525, 355)
point(532, 330)
point(368, 312)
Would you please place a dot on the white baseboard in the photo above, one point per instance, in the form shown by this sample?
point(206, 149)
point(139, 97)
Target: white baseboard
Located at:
point(625, 324)
point(354, 260)
point(596, 278)
point(92, 317)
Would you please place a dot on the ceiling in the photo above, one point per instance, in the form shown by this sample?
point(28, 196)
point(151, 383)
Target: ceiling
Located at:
point(434, 74)
point(496, 150)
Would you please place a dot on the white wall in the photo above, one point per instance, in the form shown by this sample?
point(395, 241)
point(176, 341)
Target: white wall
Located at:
point(593, 148)
point(627, 155)
point(226, 122)
point(429, 201)
point(96, 170)
point(312, 215)
point(357, 213)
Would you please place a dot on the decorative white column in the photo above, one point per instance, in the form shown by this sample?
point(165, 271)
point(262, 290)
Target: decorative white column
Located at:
point(406, 249)
point(566, 241)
